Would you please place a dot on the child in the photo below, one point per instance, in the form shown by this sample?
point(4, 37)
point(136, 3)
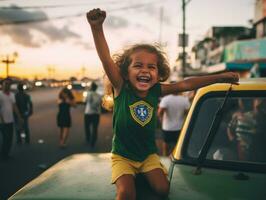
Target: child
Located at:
point(135, 76)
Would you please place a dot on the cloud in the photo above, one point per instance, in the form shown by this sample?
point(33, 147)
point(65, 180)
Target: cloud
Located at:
point(85, 45)
point(153, 11)
point(25, 33)
point(116, 22)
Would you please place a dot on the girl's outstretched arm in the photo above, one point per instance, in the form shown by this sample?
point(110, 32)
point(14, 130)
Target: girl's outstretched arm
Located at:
point(200, 81)
point(96, 18)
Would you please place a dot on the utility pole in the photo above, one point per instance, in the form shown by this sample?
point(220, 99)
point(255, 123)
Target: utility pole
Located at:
point(8, 61)
point(51, 71)
point(184, 39)
point(83, 71)
point(161, 26)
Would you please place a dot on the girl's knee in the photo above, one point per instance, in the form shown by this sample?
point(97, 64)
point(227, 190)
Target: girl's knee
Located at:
point(162, 189)
point(125, 187)
point(126, 193)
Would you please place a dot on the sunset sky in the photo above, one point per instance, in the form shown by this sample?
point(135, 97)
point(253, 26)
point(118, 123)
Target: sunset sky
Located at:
point(64, 43)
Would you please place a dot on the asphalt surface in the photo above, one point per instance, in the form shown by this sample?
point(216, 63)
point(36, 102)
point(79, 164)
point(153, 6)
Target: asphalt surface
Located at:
point(29, 161)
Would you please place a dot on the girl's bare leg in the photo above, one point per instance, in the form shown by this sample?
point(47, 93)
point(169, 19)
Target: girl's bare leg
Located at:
point(65, 136)
point(158, 181)
point(125, 187)
point(61, 137)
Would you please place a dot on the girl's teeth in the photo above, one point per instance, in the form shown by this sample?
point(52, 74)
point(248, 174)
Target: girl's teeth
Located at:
point(142, 79)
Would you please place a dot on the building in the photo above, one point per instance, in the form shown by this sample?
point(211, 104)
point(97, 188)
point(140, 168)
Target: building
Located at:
point(209, 50)
point(237, 48)
point(260, 18)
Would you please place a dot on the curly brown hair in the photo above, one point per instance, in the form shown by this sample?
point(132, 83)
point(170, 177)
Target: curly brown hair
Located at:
point(123, 61)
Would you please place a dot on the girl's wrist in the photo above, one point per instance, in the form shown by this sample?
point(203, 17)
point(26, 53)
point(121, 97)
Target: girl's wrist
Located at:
point(96, 27)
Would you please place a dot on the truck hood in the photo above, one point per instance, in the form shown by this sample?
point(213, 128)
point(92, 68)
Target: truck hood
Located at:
point(80, 176)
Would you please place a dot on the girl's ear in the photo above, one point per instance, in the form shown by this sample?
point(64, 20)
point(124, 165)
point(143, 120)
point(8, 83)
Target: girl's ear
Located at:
point(159, 78)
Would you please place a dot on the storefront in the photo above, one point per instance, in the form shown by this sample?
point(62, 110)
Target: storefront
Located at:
point(248, 57)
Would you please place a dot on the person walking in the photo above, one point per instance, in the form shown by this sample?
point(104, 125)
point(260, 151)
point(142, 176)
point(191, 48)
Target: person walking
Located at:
point(171, 112)
point(7, 108)
point(92, 114)
point(25, 107)
point(65, 101)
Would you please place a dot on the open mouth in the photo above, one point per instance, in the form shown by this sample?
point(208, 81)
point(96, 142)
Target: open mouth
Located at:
point(143, 79)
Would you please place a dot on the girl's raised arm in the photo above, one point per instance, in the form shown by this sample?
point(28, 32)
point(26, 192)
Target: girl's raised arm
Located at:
point(96, 18)
point(200, 81)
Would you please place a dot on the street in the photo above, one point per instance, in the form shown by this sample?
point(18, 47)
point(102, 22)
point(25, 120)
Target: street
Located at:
point(187, 77)
point(28, 161)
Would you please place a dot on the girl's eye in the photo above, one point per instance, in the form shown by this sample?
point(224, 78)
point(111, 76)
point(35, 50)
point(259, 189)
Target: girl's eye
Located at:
point(137, 65)
point(152, 66)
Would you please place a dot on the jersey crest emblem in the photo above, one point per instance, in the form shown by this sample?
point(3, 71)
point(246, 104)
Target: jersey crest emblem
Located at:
point(141, 112)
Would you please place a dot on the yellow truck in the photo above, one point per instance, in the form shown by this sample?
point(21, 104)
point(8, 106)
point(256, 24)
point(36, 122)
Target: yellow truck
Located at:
point(220, 155)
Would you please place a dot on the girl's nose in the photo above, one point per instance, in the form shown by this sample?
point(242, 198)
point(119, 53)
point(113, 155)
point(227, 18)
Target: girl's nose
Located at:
point(145, 68)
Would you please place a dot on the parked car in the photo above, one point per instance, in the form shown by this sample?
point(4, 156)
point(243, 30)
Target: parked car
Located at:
point(26, 86)
point(206, 164)
point(79, 91)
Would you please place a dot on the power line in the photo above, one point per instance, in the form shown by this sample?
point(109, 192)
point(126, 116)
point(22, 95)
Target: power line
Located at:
point(15, 7)
point(36, 20)
point(27, 21)
point(38, 7)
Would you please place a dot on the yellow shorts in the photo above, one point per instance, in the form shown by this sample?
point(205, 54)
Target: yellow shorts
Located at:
point(122, 166)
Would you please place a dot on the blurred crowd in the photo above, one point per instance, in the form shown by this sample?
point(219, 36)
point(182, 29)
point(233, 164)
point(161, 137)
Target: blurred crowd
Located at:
point(15, 110)
point(16, 107)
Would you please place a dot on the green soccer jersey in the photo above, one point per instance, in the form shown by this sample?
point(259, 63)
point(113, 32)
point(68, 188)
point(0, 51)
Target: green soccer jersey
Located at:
point(134, 123)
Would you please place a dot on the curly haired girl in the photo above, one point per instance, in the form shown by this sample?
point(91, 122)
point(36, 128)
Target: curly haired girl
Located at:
point(135, 76)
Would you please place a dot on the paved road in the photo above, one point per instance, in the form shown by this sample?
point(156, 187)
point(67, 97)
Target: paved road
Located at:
point(28, 161)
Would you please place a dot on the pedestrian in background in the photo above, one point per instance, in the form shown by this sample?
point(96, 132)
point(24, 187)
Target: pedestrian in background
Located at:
point(172, 110)
point(7, 108)
point(25, 107)
point(92, 114)
point(65, 101)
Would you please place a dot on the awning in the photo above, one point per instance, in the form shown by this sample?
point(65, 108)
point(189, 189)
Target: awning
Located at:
point(233, 66)
point(248, 51)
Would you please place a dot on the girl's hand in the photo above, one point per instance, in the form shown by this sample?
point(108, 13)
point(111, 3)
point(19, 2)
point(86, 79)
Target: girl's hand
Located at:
point(96, 17)
point(229, 77)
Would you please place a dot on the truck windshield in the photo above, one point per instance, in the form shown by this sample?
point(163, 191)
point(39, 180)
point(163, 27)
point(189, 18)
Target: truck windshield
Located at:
point(241, 134)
